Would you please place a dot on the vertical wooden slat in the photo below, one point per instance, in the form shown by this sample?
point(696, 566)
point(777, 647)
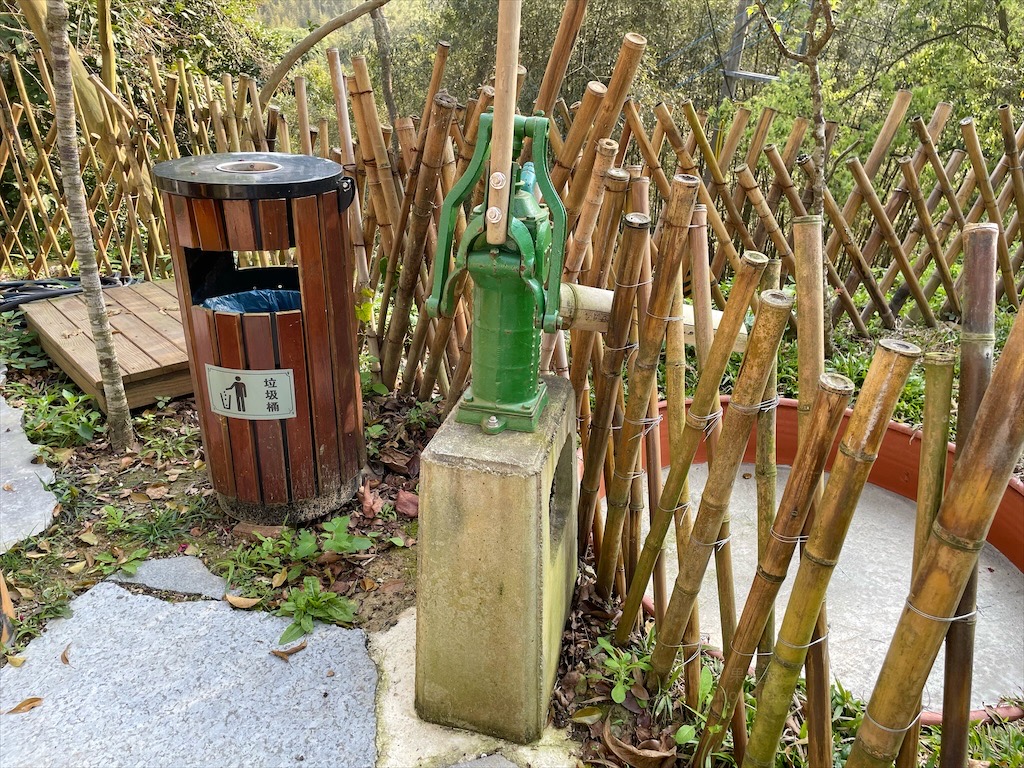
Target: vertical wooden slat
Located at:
point(298, 431)
point(259, 349)
point(209, 222)
point(310, 256)
point(181, 216)
point(228, 329)
point(216, 440)
point(339, 269)
point(240, 226)
point(274, 225)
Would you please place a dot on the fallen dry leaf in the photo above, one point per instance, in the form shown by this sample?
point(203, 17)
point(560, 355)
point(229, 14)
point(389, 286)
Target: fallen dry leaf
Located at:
point(638, 758)
point(77, 567)
point(8, 487)
point(368, 584)
point(407, 504)
point(89, 538)
point(289, 651)
point(371, 502)
point(27, 593)
point(139, 498)
point(587, 715)
point(330, 673)
point(64, 655)
point(15, 661)
point(237, 601)
point(279, 578)
point(30, 703)
point(157, 491)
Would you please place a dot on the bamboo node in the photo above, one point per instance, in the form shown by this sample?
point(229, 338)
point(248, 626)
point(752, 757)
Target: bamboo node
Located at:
point(942, 619)
point(977, 338)
point(859, 456)
point(750, 409)
point(892, 730)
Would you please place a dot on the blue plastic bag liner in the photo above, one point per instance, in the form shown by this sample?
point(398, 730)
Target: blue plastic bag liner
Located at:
point(260, 300)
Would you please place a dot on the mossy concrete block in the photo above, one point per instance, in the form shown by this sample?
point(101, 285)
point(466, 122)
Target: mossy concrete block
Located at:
point(497, 566)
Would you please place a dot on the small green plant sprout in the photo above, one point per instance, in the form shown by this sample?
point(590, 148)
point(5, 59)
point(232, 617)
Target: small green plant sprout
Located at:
point(624, 670)
point(19, 347)
point(336, 538)
point(112, 562)
point(259, 568)
point(61, 419)
point(312, 602)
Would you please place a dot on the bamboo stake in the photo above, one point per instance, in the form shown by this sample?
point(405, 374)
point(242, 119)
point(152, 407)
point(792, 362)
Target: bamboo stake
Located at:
point(565, 160)
point(764, 124)
point(931, 238)
point(607, 385)
point(616, 183)
point(982, 470)
point(867, 192)
point(704, 411)
point(473, 128)
point(765, 470)
point(747, 185)
point(789, 154)
point(731, 143)
point(938, 393)
point(977, 342)
point(977, 157)
point(652, 336)
point(845, 234)
point(889, 370)
point(626, 67)
point(1010, 153)
point(558, 62)
point(746, 402)
point(823, 420)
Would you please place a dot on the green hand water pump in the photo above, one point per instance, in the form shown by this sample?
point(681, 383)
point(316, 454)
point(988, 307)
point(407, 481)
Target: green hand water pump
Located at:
point(515, 283)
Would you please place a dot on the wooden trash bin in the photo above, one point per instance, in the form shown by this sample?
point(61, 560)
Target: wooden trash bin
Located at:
point(277, 385)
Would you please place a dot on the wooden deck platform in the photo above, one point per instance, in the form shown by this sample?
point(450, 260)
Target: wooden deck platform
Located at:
point(147, 333)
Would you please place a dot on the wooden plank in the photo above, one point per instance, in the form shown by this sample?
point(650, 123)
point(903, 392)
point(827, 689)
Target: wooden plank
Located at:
point(147, 391)
point(67, 346)
point(216, 437)
point(181, 219)
point(231, 349)
point(240, 225)
point(314, 317)
point(274, 225)
point(298, 431)
point(131, 325)
point(339, 270)
point(270, 451)
point(151, 305)
point(209, 223)
point(133, 360)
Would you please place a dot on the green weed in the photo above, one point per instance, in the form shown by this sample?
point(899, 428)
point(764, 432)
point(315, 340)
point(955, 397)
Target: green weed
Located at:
point(309, 603)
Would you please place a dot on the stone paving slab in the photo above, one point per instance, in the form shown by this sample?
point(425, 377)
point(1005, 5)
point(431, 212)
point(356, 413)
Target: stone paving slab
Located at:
point(27, 507)
point(185, 574)
point(172, 684)
point(490, 761)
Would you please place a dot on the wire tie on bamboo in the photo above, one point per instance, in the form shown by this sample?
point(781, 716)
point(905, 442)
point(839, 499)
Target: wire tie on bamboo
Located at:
point(630, 476)
point(942, 619)
point(704, 423)
point(718, 544)
point(755, 408)
point(628, 348)
point(648, 281)
point(666, 318)
point(647, 423)
point(788, 539)
point(821, 639)
point(893, 730)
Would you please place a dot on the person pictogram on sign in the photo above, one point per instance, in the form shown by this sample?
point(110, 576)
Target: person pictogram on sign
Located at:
point(239, 389)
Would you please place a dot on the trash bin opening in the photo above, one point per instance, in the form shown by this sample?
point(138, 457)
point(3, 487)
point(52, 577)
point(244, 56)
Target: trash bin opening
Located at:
point(259, 300)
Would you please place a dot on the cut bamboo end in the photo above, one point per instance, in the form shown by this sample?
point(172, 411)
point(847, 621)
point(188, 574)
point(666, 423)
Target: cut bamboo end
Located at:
point(900, 347)
point(808, 219)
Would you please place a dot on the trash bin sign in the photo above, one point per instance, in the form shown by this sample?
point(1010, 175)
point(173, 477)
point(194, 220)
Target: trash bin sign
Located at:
point(272, 348)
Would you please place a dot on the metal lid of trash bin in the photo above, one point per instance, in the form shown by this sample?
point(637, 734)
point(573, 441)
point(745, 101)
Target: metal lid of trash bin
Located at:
point(250, 176)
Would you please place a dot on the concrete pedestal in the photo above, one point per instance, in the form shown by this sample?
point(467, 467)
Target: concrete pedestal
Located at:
point(497, 566)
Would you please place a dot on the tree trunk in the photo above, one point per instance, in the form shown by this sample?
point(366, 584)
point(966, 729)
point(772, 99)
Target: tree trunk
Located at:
point(119, 424)
point(382, 34)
